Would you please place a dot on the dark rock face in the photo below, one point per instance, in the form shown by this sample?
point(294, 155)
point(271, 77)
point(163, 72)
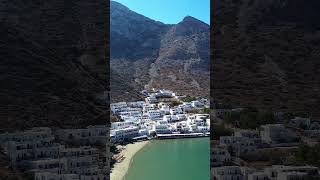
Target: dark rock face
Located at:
point(133, 36)
point(148, 53)
point(265, 54)
point(53, 64)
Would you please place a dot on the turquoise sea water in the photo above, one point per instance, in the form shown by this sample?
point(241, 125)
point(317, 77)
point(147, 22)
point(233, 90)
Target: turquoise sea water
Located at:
point(177, 159)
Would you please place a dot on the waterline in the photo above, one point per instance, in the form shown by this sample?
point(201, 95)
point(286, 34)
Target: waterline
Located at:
point(185, 159)
point(121, 168)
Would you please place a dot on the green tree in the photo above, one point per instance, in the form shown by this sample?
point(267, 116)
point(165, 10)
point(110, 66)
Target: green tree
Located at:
point(175, 103)
point(189, 99)
point(205, 111)
point(220, 130)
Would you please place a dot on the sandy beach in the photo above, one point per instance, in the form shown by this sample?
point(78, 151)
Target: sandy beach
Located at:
point(120, 169)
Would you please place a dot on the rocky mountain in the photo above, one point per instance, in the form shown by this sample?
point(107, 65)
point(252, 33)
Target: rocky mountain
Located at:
point(53, 63)
point(148, 53)
point(266, 54)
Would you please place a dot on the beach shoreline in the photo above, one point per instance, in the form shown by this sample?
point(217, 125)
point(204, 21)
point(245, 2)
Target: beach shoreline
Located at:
point(120, 168)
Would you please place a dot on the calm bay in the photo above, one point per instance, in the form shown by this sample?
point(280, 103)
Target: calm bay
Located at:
point(175, 159)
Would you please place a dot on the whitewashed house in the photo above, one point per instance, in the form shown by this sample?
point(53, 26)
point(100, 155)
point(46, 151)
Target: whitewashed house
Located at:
point(227, 173)
point(176, 110)
point(125, 133)
point(144, 132)
point(258, 176)
point(203, 129)
point(165, 109)
point(153, 114)
point(151, 99)
point(314, 126)
point(121, 125)
point(192, 127)
point(196, 104)
point(58, 176)
point(118, 107)
point(164, 94)
point(29, 145)
point(299, 122)
point(251, 134)
point(136, 104)
point(240, 145)
point(87, 136)
point(149, 107)
point(281, 172)
point(277, 133)
point(186, 106)
point(181, 117)
point(220, 156)
point(162, 127)
point(55, 176)
point(131, 119)
point(171, 118)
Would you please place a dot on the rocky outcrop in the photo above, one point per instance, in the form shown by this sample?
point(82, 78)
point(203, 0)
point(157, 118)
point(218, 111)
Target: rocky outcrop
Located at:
point(265, 54)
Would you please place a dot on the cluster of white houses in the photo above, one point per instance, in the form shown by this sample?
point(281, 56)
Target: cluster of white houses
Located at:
point(38, 151)
point(157, 116)
point(275, 172)
point(244, 142)
point(228, 150)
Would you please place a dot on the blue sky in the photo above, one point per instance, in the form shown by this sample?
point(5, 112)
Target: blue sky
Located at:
point(170, 11)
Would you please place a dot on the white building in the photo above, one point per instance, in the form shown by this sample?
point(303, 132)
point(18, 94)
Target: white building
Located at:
point(58, 176)
point(203, 129)
point(196, 119)
point(131, 119)
point(164, 94)
point(186, 106)
point(227, 173)
point(151, 100)
point(251, 134)
point(153, 114)
point(176, 110)
point(193, 127)
point(22, 147)
point(136, 104)
point(220, 156)
point(37, 151)
point(55, 176)
point(196, 104)
point(87, 136)
point(280, 172)
point(118, 107)
point(132, 112)
point(162, 127)
point(240, 145)
point(144, 132)
point(300, 122)
point(121, 125)
point(313, 134)
point(181, 117)
point(125, 133)
point(149, 107)
point(277, 133)
point(171, 118)
point(165, 109)
point(258, 176)
point(182, 127)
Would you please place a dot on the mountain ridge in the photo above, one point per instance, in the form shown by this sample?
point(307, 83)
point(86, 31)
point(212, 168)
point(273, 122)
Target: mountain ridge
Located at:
point(158, 55)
